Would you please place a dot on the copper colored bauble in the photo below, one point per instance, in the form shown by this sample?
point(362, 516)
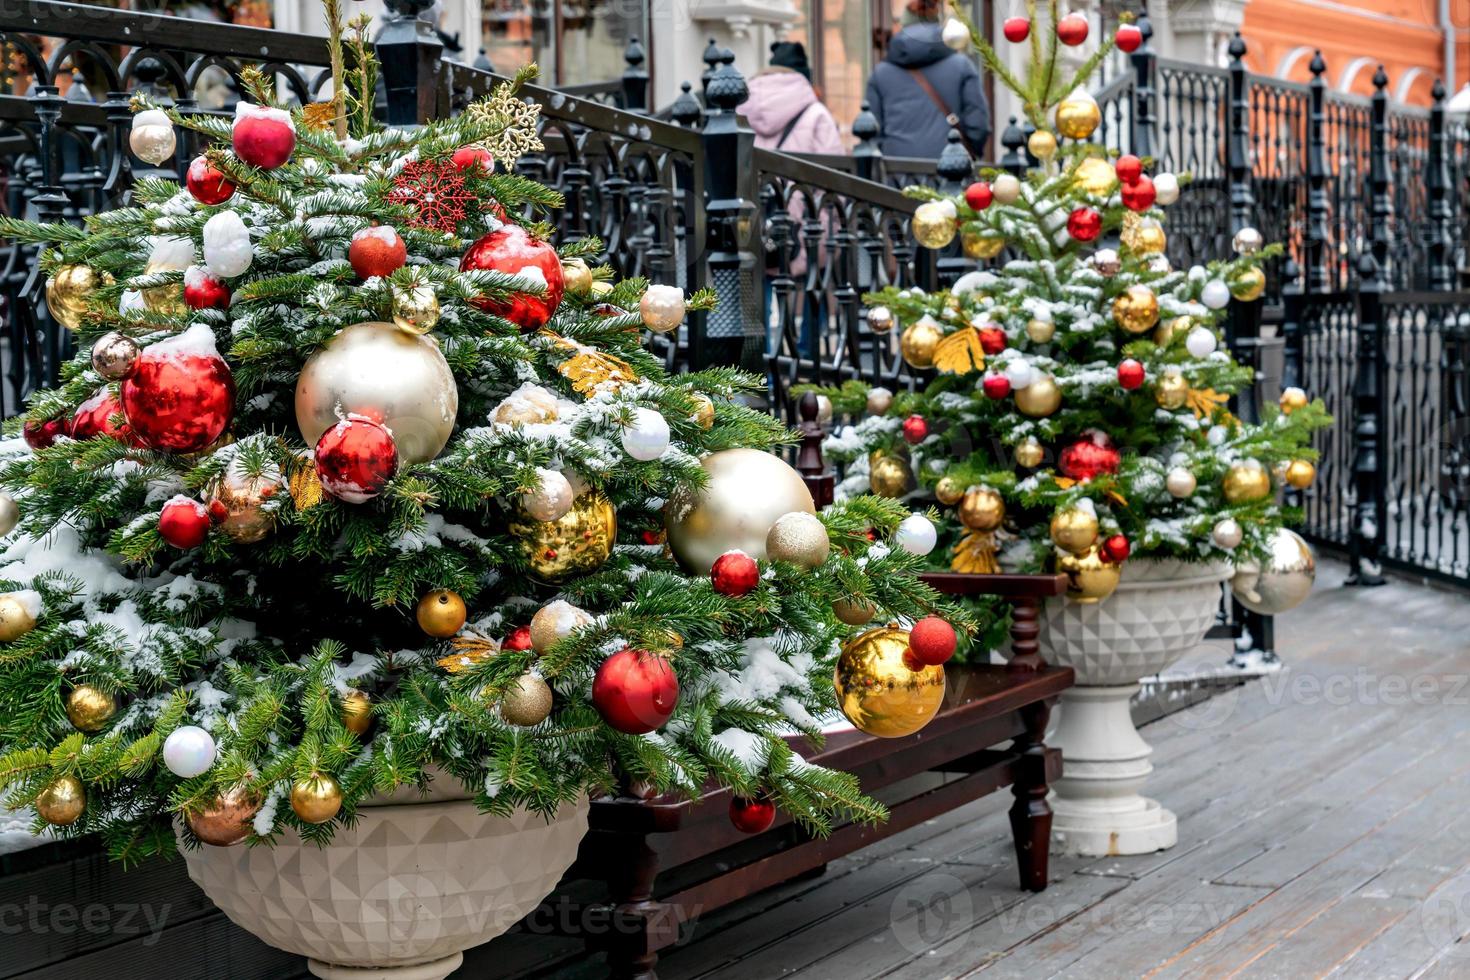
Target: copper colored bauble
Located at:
point(355, 459)
point(1105, 262)
point(932, 641)
point(1029, 453)
point(981, 245)
point(113, 356)
point(1130, 374)
point(949, 491)
point(1088, 457)
point(800, 538)
point(180, 395)
point(662, 308)
point(378, 371)
point(919, 342)
point(513, 251)
point(377, 250)
point(208, 183)
point(9, 514)
point(17, 617)
point(1090, 577)
point(441, 613)
point(415, 308)
point(1300, 473)
point(1282, 582)
point(1171, 391)
point(316, 799)
point(262, 136)
point(1078, 115)
point(880, 319)
point(553, 623)
point(1040, 398)
point(357, 712)
point(526, 702)
point(1136, 309)
point(635, 691)
point(89, 708)
point(748, 490)
point(880, 399)
point(734, 574)
point(982, 509)
point(889, 476)
point(1095, 176)
point(1072, 29)
point(877, 689)
point(1249, 286)
point(934, 224)
point(97, 416)
point(226, 821)
point(237, 502)
point(577, 277)
point(1139, 195)
point(1074, 529)
point(1246, 482)
point(1042, 144)
point(1292, 399)
point(854, 612)
point(1084, 224)
point(67, 292)
point(576, 543)
point(62, 802)
point(752, 816)
point(203, 291)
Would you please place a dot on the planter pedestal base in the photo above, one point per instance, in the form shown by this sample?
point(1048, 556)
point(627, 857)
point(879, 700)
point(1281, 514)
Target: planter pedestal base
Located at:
point(434, 970)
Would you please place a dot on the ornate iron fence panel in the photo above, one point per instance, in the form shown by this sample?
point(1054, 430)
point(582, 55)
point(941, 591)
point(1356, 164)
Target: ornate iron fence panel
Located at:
point(1191, 104)
point(1329, 350)
point(1408, 153)
point(1277, 157)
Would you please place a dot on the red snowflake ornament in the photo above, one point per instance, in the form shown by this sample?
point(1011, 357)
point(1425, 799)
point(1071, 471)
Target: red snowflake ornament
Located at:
point(435, 189)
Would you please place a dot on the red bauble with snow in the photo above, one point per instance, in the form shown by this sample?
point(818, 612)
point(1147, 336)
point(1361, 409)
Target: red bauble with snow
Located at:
point(513, 251)
point(203, 291)
point(635, 691)
point(1128, 38)
point(472, 158)
point(979, 195)
point(1128, 168)
point(376, 251)
point(1072, 30)
point(180, 396)
point(183, 522)
point(519, 639)
point(1130, 374)
point(1084, 224)
point(41, 435)
point(1139, 195)
point(94, 417)
point(263, 137)
point(752, 816)
point(1089, 456)
point(915, 430)
point(734, 574)
point(1116, 549)
point(208, 183)
point(992, 339)
point(932, 641)
point(996, 386)
point(1016, 29)
point(355, 459)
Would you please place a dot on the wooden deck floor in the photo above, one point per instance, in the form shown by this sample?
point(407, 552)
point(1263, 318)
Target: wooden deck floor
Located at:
point(1324, 818)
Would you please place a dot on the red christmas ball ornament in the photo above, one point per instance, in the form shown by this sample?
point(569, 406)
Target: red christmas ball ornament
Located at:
point(979, 195)
point(1072, 30)
point(94, 417)
point(915, 430)
point(1016, 29)
point(635, 691)
point(473, 157)
point(183, 523)
point(40, 435)
point(1084, 224)
point(355, 459)
point(1130, 374)
point(513, 251)
point(263, 137)
point(734, 574)
point(1139, 195)
point(180, 396)
point(992, 339)
point(653, 536)
point(932, 641)
point(203, 291)
point(519, 639)
point(208, 183)
point(996, 386)
point(376, 251)
point(1128, 38)
point(1116, 549)
point(752, 816)
point(1089, 456)
point(1128, 168)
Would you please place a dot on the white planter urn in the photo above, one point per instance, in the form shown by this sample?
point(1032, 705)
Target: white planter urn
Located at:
point(1159, 612)
point(400, 895)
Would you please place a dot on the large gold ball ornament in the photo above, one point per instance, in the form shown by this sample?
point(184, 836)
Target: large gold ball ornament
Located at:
point(240, 499)
point(1089, 577)
point(1300, 473)
point(576, 543)
point(800, 538)
point(1246, 482)
point(982, 509)
point(67, 291)
point(1249, 286)
point(1171, 391)
point(949, 491)
point(1292, 399)
point(1074, 530)
point(1042, 144)
point(934, 224)
point(527, 702)
point(1029, 453)
point(981, 245)
point(1136, 309)
point(415, 308)
point(1078, 116)
point(746, 493)
point(1282, 582)
point(89, 708)
point(228, 819)
point(919, 341)
point(854, 612)
point(316, 799)
point(890, 476)
point(441, 613)
point(62, 802)
point(1096, 176)
point(17, 617)
point(879, 692)
point(1040, 331)
point(357, 712)
point(1040, 398)
point(389, 375)
point(554, 622)
point(577, 276)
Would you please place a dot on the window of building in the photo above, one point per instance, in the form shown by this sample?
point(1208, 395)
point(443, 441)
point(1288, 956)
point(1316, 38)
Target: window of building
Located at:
point(574, 41)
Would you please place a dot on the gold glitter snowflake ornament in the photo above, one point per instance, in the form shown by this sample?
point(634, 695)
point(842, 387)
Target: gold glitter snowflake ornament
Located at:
point(516, 120)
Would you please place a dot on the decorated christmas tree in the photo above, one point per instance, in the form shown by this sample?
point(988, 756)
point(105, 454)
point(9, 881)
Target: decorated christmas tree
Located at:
point(357, 482)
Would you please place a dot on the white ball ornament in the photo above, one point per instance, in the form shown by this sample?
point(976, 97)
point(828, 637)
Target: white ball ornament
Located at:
point(1227, 534)
point(1020, 374)
point(1006, 188)
point(9, 514)
point(916, 534)
point(152, 137)
point(552, 498)
point(1215, 295)
point(227, 249)
point(956, 35)
point(879, 400)
point(662, 308)
point(188, 751)
point(1180, 482)
point(647, 437)
point(1217, 435)
point(1200, 342)
point(1247, 241)
point(1198, 273)
point(1166, 189)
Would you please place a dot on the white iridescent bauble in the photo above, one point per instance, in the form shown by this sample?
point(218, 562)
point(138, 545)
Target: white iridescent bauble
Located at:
point(1215, 295)
point(879, 400)
point(1180, 482)
point(662, 308)
point(916, 534)
point(1166, 189)
point(1227, 534)
point(227, 249)
point(1201, 342)
point(1006, 188)
point(1247, 241)
point(648, 435)
point(188, 751)
point(152, 137)
point(552, 498)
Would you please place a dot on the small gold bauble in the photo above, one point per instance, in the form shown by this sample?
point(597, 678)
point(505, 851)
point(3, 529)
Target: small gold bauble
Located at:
point(1096, 176)
point(1249, 286)
point(316, 799)
point(982, 509)
point(1136, 309)
point(880, 319)
point(1040, 398)
point(441, 613)
point(1143, 236)
point(1246, 483)
point(949, 491)
point(1171, 391)
point(879, 692)
point(15, 618)
point(577, 276)
point(416, 308)
point(1074, 530)
point(575, 544)
point(243, 499)
point(228, 820)
point(527, 405)
point(357, 712)
point(1040, 331)
point(854, 612)
point(1165, 332)
point(1029, 453)
point(800, 538)
point(981, 245)
point(62, 801)
point(554, 622)
point(1089, 577)
point(601, 289)
point(919, 341)
point(1300, 473)
point(1078, 116)
point(89, 708)
point(934, 224)
point(1042, 144)
point(527, 702)
point(67, 291)
point(1293, 399)
point(889, 476)
point(747, 491)
point(167, 299)
point(704, 413)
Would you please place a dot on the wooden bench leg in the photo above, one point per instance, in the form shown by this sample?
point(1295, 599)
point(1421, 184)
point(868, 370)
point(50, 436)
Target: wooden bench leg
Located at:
point(632, 949)
point(1030, 814)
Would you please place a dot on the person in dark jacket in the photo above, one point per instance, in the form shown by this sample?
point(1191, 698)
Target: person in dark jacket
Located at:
point(913, 120)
